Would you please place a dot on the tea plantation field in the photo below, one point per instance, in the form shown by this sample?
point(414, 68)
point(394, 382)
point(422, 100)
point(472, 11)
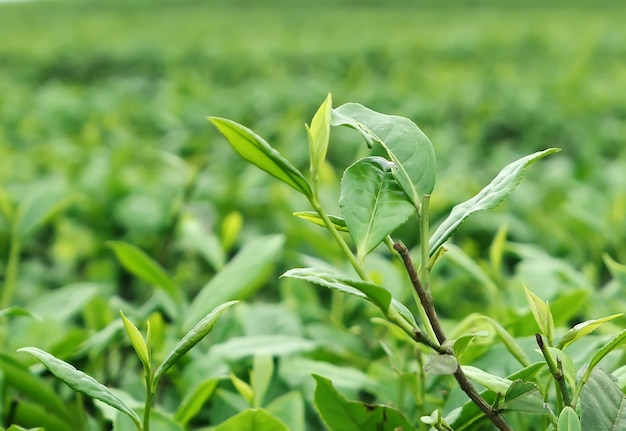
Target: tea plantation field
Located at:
point(105, 149)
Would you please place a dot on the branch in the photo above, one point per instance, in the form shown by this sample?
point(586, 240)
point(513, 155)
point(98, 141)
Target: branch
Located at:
point(428, 304)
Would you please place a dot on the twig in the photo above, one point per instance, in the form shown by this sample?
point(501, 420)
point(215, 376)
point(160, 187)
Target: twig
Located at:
point(428, 304)
point(556, 369)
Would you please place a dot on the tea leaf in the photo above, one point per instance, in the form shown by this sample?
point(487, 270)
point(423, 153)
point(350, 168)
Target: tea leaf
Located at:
point(261, 376)
point(338, 413)
point(243, 388)
point(136, 339)
point(568, 420)
point(143, 267)
point(406, 145)
point(252, 420)
point(584, 328)
point(312, 217)
point(602, 404)
point(491, 382)
point(255, 150)
point(542, 314)
point(489, 197)
point(617, 270)
point(441, 364)
point(319, 135)
point(80, 382)
point(190, 339)
point(195, 399)
point(524, 397)
point(617, 341)
point(372, 202)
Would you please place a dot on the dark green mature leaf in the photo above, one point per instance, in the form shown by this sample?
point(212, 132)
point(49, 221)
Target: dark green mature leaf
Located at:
point(372, 202)
point(245, 273)
point(524, 397)
point(190, 339)
point(313, 217)
point(18, 377)
point(584, 328)
point(80, 382)
point(338, 413)
point(568, 420)
point(319, 135)
point(374, 293)
point(252, 420)
point(257, 151)
point(143, 267)
point(602, 404)
point(489, 197)
point(406, 145)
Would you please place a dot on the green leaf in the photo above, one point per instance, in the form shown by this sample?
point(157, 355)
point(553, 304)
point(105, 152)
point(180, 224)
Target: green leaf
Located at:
point(509, 342)
point(490, 381)
point(245, 273)
point(338, 413)
point(190, 339)
point(313, 217)
point(17, 311)
point(19, 378)
point(542, 314)
point(158, 421)
point(602, 404)
point(406, 145)
point(524, 397)
point(195, 399)
point(617, 270)
point(372, 203)
point(489, 197)
point(136, 339)
point(584, 328)
point(289, 408)
point(79, 381)
point(461, 344)
point(252, 420)
point(377, 295)
point(319, 135)
point(569, 369)
point(36, 208)
point(243, 388)
point(275, 345)
point(143, 267)
point(441, 364)
point(261, 376)
point(255, 150)
point(615, 342)
point(568, 420)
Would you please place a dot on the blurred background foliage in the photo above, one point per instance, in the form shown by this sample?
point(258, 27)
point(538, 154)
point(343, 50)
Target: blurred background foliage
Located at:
point(103, 110)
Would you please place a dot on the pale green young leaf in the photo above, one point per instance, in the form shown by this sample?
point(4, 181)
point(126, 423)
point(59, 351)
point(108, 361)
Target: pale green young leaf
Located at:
point(319, 135)
point(568, 420)
point(17, 311)
point(190, 339)
point(541, 313)
point(338, 413)
point(489, 197)
point(461, 343)
point(260, 377)
point(80, 382)
point(567, 364)
point(312, 217)
point(290, 409)
point(138, 263)
point(496, 250)
point(615, 342)
point(372, 203)
point(136, 339)
point(243, 388)
point(584, 328)
point(406, 146)
point(252, 420)
point(490, 381)
point(257, 151)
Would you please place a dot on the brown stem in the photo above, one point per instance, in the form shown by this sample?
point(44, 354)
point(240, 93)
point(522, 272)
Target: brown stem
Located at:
point(428, 303)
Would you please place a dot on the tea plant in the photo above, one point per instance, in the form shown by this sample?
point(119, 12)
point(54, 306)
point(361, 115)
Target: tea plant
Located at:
point(377, 196)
